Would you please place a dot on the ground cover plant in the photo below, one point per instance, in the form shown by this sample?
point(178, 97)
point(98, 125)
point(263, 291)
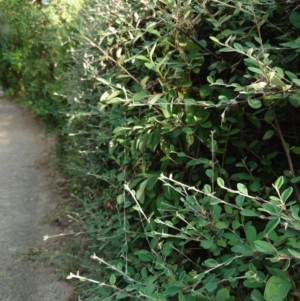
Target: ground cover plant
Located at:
point(181, 142)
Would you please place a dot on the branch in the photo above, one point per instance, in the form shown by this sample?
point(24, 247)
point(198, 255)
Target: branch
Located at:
point(287, 154)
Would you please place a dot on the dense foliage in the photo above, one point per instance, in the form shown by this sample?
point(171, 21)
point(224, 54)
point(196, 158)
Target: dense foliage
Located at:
point(34, 52)
point(181, 142)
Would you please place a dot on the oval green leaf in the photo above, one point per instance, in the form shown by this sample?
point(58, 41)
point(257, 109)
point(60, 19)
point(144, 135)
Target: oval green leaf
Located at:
point(220, 182)
point(254, 103)
point(279, 182)
point(248, 212)
point(242, 188)
point(223, 294)
point(286, 194)
point(112, 279)
point(263, 247)
point(268, 134)
point(294, 99)
point(295, 19)
point(271, 225)
point(276, 289)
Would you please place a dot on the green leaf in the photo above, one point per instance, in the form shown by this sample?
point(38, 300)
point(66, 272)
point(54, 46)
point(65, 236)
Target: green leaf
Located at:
point(207, 188)
point(159, 296)
point(286, 194)
point(141, 95)
point(291, 75)
point(140, 194)
point(235, 224)
point(112, 279)
point(144, 255)
point(210, 79)
point(209, 173)
point(166, 109)
point(255, 186)
point(295, 180)
point(296, 81)
point(181, 297)
point(223, 295)
point(150, 289)
point(263, 247)
point(142, 142)
point(270, 208)
point(295, 19)
point(206, 125)
point(142, 58)
point(238, 47)
point(241, 248)
point(121, 295)
point(296, 150)
point(253, 283)
point(214, 39)
point(198, 161)
point(211, 286)
point(167, 248)
point(295, 213)
point(255, 70)
point(254, 120)
point(206, 244)
point(268, 134)
point(279, 182)
point(190, 101)
point(210, 263)
point(294, 99)
point(294, 253)
point(204, 91)
point(248, 212)
point(187, 130)
point(220, 182)
point(154, 98)
point(216, 212)
point(189, 139)
point(221, 225)
point(239, 199)
point(120, 129)
point(291, 44)
point(269, 116)
point(276, 272)
point(276, 289)
point(250, 234)
point(271, 225)
point(242, 188)
point(254, 103)
point(150, 66)
point(173, 290)
point(151, 182)
point(256, 295)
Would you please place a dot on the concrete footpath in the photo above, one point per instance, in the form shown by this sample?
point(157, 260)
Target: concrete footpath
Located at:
point(25, 200)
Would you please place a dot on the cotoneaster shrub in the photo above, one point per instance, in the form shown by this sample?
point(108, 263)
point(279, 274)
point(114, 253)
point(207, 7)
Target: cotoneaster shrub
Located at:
point(184, 125)
point(181, 144)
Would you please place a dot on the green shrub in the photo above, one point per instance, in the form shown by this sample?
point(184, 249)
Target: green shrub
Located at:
point(35, 51)
point(181, 143)
point(191, 106)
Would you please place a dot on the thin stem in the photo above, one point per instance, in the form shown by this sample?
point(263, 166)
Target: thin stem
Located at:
point(287, 154)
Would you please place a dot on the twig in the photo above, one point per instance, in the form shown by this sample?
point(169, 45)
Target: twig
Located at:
point(287, 153)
